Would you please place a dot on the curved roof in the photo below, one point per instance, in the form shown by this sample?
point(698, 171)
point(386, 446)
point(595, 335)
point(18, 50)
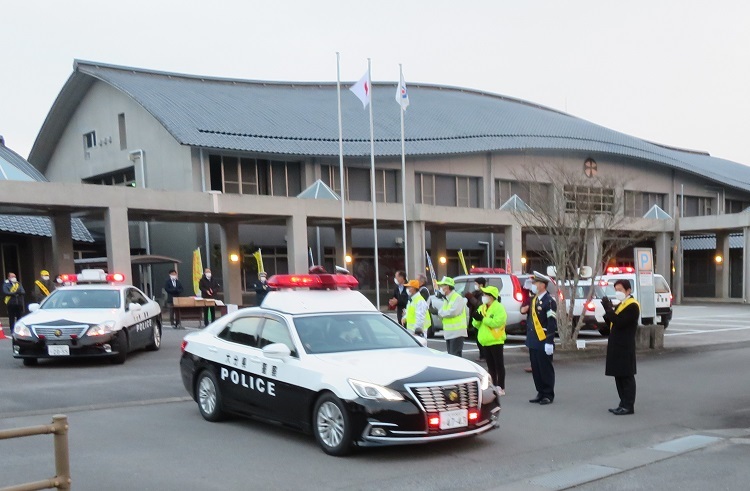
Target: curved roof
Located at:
point(13, 167)
point(301, 119)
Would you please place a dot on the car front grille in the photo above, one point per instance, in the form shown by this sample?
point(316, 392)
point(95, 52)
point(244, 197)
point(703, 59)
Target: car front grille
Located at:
point(51, 332)
point(435, 398)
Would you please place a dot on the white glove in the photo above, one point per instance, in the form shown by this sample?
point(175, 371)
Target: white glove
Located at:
point(549, 349)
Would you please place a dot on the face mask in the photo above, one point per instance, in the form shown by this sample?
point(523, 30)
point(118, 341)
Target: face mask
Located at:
point(208, 276)
point(172, 277)
point(486, 299)
point(620, 295)
point(59, 280)
point(45, 278)
point(13, 280)
point(533, 289)
point(476, 288)
point(446, 292)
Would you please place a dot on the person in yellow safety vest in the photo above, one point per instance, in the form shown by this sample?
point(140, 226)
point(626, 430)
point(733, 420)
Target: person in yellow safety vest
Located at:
point(417, 318)
point(490, 319)
point(453, 314)
point(43, 287)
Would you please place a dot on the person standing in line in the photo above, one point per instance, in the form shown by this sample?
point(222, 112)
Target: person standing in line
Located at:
point(474, 301)
point(623, 324)
point(490, 319)
point(208, 287)
point(416, 319)
point(526, 304)
point(261, 288)
point(400, 297)
point(174, 288)
point(14, 293)
point(453, 314)
point(43, 286)
point(423, 290)
point(541, 326)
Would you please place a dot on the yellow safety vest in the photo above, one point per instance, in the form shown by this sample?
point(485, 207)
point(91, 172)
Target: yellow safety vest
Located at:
point(457, 322)
point(411, 314)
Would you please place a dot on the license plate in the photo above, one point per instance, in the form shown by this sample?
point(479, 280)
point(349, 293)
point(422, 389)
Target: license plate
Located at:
point(454, 419)
point(58, 350)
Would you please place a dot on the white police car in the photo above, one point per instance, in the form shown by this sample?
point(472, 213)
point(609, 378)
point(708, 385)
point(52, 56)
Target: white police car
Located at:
point(88, 319)
point(323, 359)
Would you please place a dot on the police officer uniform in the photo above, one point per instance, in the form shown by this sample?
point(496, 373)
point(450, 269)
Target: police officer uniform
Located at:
point(541, 326)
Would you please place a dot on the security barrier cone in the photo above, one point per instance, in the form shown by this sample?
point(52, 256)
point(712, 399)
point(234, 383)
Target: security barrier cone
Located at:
point(2, 333)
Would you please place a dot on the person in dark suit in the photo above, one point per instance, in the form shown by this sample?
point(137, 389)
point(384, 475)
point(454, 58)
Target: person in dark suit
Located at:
point(400, 296)
point(623, 324)
point(208, 287)
point(261, 288)
point(174, 288)
point(541, 326)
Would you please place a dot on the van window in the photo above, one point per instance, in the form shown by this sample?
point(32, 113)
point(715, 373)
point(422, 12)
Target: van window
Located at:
point(467, 284)
point(661, 285)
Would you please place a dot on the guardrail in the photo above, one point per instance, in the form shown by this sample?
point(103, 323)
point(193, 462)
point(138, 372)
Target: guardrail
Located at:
point(59, 428)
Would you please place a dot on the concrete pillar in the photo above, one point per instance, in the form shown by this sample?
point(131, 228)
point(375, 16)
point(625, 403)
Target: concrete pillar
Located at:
point(231, 272)
point(514, 245)
point(340, 254)
point(62, 244)
point(663, 254)
point(417, 248)
point(296, 244)
point(438, 249)
point(593, 250)
point(117, 237)
point(722, 268)
point(746, 265)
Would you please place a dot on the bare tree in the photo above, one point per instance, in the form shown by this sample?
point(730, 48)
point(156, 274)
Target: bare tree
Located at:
point(577, 217)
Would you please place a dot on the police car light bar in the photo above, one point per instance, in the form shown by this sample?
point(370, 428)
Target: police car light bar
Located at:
point(316, 281)
point(618, 270)
point(486, 271)
point(93, 276)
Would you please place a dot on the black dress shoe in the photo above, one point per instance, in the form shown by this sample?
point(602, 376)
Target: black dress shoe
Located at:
point(614, 409)
point(621, 411)
point(535, 400)
point(545, 401)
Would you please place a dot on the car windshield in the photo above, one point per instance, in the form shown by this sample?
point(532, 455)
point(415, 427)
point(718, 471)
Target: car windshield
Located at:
point(83, 299)
point(351, 332)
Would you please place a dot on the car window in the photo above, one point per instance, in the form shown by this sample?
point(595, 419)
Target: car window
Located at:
point(82, 299)
point(242, 330)
point(134, 296)
point(351, 332)
point(467, 284)
point(276, 332)
point(661, 285)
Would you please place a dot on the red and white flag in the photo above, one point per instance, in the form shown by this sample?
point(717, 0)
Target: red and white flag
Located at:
point(402, 96)
point(363, 90)
point(508, 264)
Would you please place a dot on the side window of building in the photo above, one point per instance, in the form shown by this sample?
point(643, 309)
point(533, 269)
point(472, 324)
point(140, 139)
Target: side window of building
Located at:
point(243, 330)
point(275, 331)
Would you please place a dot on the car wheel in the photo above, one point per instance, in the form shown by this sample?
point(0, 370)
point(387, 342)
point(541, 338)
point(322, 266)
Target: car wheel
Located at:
point(156, 337)
point(648, 321)
point(30, 362)
point(331, 425)
point(209, 397)
point(122, 346)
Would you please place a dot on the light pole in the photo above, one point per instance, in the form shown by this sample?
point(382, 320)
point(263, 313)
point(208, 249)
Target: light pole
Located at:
point(487, 246)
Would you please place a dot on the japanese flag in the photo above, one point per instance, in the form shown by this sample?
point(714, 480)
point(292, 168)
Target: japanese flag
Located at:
point(362, 89)
point(402, 96)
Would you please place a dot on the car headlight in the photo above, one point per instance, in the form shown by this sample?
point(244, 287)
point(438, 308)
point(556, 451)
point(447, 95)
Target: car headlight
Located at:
point(21, 330)
point(101, 329)
point(367, 390)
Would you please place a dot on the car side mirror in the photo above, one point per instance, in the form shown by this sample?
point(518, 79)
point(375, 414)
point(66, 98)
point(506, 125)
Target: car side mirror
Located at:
point(135, 307)
point(33, 307)
point(278, 351)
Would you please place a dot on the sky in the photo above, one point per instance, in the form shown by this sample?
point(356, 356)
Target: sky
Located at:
point(675, 72)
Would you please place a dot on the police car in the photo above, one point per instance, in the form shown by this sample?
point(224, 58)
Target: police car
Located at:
point(95, 316)
point(320, 357)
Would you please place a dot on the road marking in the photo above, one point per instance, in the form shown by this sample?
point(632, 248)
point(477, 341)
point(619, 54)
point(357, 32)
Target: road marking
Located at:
point(708, 331)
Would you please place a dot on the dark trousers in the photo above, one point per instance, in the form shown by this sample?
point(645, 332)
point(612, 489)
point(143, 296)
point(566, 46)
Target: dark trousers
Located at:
point(15, 312)
point(174, 315)
point(493, 355)
point(455, 346)
point(543, 372)
point(626, 391)
point(209, 312)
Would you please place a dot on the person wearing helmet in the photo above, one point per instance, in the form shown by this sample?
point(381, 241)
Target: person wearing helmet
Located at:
point(43, 287)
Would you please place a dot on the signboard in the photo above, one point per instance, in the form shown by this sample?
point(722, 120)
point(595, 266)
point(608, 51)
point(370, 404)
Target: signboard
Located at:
point(645, 292)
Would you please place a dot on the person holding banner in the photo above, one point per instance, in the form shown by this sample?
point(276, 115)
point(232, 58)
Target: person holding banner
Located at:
point(541, 326)
point(261, 288)
point(209, 287)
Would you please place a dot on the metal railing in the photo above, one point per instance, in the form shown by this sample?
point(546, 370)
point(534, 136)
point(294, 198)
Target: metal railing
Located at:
point(59, 428)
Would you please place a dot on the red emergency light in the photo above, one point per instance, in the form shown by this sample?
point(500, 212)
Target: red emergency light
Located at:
point(314, 281)
point(486, 271)
point(620, 270)
point(591, 307)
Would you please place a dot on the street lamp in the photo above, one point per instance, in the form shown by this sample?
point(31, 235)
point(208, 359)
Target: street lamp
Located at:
point(523, 265)
point(443, 260)
point(487, 245)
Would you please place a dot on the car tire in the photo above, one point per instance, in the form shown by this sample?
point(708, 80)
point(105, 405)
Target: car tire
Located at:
point(122, 346)
point(331, 425)
point(30, 362)
point(647, 321)
point(208, 397)
point(155, 337)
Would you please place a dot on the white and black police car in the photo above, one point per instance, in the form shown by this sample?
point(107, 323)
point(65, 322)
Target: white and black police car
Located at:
point(320, 357)
point(97, 315)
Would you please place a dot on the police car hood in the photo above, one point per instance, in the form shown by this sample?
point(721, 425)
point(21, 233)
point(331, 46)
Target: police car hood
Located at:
point(410, 365)
point(67, 316)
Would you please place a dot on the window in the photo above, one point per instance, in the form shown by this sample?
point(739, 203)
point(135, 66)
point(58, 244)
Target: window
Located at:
point(243, 330)
point(735, 205)
point(534, 194)
point(447, 190)
point(276, 332)
point(122, 177)
point(134, 296)
point(123, 132)
point(585, 199)
point(695, 206)
point(89, 140)
point(638, 204)
point(254, 176)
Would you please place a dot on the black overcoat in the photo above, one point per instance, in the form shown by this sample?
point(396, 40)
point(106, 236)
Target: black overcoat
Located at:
point(621, 342)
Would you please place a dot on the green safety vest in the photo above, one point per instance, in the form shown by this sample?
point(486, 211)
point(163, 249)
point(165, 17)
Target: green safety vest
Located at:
point(411, 313)
point(457, 322)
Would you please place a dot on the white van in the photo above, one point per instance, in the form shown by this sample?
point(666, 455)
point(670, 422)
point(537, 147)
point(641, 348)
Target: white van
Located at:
point(663, 293)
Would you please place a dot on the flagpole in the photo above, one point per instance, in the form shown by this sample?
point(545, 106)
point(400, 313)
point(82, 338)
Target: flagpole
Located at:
point(403, 174)
point(372, 187)
point(341, 161)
